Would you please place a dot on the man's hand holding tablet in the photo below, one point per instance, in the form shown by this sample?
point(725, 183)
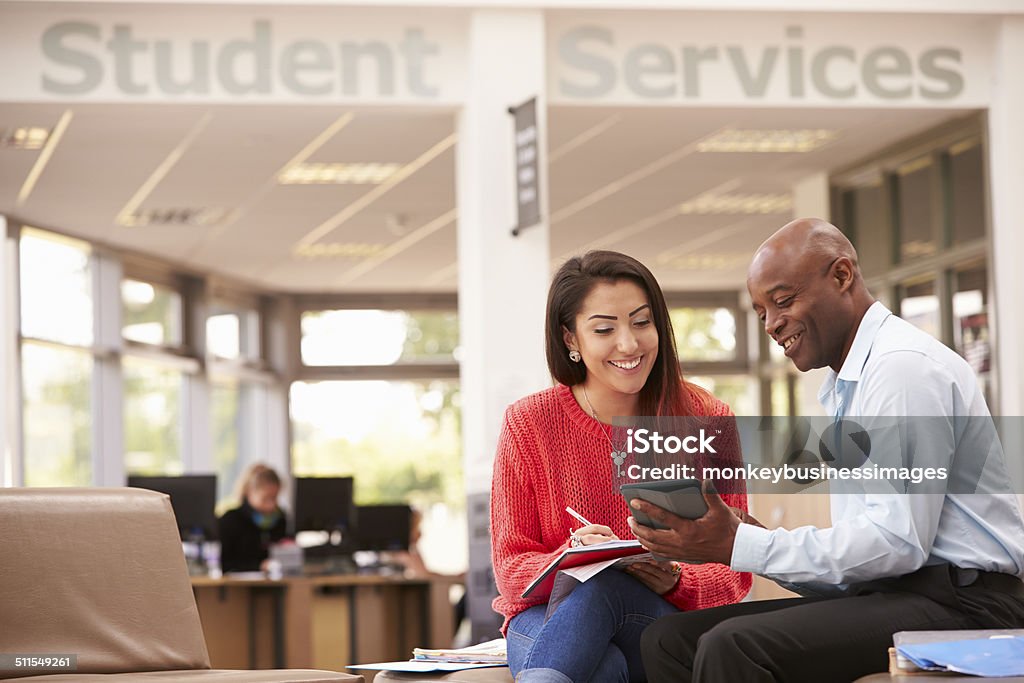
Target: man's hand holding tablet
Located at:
point(697, 526)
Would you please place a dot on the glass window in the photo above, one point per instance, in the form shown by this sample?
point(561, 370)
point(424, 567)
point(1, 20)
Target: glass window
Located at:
point(780, 396)
point(374, 337)
point(152, 417)
point(865, 207)
point(57, 419)
point(704, 334)
point(152, 313)
point(223, 335)
point(738, 391)
point(238, 410)
point(401, 442)
point(919, 305)
point(396, 437)
point(56, 288)
point(915, 209)
point(233, 333)
point(970, 319)
point(967, 191)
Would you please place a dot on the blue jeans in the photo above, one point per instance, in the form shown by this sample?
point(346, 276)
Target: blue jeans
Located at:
point(594, 635)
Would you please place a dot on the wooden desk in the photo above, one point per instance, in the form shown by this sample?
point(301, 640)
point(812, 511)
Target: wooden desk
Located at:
point(321, 622)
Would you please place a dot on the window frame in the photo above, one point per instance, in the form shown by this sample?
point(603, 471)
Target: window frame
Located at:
point(728, 299)
point(411, 370)
point(941, 266)
point(108, 268)
point(167, 278)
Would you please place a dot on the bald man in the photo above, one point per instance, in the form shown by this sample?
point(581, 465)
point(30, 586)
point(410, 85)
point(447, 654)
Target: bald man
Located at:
point(891, 561)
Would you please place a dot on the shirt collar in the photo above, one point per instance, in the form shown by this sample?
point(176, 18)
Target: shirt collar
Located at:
point(852, 367)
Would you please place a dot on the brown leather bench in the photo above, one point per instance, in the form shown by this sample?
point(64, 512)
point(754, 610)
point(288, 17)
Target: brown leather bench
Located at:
point(100, 573)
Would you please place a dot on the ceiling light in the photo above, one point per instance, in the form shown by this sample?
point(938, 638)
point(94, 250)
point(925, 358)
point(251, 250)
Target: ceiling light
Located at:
point(43, 158)
point(201, 217)
point(130, 215)
point(779, 141)
point(337, 174)
point(338, 250)
point(25, 137)
point(755, 203)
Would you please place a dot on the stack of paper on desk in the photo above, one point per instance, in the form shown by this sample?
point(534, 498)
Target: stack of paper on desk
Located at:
point(491, 652)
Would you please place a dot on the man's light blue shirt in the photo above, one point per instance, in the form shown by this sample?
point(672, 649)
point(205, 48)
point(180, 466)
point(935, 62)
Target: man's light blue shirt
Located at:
point(894, 369)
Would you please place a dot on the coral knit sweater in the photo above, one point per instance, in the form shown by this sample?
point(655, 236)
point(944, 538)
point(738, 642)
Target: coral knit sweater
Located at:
point(552, 454)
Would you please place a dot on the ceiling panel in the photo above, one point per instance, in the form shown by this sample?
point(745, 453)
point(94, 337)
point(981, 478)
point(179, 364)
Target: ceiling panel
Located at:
point(394, 274)
point(377, 136)
point(639, 162)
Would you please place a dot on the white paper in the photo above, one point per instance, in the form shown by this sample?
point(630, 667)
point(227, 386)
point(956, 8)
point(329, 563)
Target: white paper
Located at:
point(585, 572)
point(491, 648)
point(588, 571)
point(421, 666)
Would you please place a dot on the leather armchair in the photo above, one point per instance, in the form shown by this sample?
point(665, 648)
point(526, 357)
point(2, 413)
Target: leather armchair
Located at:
point(100, 573)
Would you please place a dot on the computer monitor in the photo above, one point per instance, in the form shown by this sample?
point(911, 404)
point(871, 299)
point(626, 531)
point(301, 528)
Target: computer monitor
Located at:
point(193, 498)
point(383, 527)
point(324, 504)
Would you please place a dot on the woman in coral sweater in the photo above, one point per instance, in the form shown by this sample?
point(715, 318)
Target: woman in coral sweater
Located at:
point(611, 349)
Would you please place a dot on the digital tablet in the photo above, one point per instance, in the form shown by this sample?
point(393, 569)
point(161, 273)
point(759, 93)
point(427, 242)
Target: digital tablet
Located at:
point(681, 497)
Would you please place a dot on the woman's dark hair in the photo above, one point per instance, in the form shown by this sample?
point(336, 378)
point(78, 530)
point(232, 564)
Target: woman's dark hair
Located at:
point(663, 392)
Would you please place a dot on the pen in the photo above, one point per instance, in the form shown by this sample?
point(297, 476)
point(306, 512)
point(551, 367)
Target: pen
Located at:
point(578, 516)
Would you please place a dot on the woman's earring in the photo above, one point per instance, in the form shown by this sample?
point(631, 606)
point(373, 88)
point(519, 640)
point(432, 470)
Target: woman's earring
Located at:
point(575, 356)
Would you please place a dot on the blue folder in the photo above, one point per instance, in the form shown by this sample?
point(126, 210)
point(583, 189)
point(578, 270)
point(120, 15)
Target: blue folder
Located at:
point(999, 656)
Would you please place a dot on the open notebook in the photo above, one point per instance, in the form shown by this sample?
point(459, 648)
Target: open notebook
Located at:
point(586, 555)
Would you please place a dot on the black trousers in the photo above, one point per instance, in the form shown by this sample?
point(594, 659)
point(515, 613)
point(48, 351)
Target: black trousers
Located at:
point(825, 640)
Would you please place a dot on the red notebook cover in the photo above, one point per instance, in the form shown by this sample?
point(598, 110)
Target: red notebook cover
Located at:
point(576, 557)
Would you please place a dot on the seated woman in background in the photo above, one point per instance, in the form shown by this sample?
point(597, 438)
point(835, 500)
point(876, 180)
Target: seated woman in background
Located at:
point(611, 350)
point(247, 531)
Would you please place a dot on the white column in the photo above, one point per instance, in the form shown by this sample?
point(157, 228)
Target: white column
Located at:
point(811, 197)
point(503, 279)
point(811, 200)
point(10, 382)
point(1006, 173)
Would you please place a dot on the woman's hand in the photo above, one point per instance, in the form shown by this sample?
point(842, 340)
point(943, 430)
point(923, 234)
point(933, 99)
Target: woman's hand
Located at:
point(660, 577)
point(593, 534)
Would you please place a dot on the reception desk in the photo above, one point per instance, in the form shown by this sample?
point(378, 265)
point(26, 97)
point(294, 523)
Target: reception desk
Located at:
point(321, 622)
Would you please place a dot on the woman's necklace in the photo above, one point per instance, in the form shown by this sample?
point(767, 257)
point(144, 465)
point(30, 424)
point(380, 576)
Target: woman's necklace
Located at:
point(618, 454)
